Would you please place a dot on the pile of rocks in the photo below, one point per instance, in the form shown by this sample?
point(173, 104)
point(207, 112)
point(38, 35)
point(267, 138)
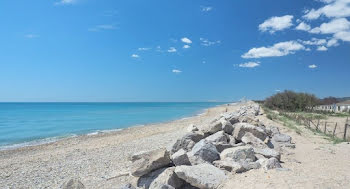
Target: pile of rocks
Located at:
point(235, 142)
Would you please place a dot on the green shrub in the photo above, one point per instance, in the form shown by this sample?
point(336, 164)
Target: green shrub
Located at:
point(291, 101)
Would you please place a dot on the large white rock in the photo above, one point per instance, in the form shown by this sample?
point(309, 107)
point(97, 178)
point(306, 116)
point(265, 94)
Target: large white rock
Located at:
point(249, 138)
point(242, 128)
point(150, 161)
point(268, 153)
point(229, 165)
point(271, 163)
point(241, 153)
point(217, 137)
point(206, 151)
point(204, 176)
point(167, 177)
point(180, 158)
point(212, 127)
point(186, 142)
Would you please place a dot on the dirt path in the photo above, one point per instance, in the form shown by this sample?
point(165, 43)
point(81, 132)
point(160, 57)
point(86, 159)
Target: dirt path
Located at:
point(314, 163)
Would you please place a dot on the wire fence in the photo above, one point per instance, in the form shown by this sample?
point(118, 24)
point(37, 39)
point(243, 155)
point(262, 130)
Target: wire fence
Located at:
point(336, 130)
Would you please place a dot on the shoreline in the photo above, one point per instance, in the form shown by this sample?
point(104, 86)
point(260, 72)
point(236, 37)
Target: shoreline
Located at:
point(99, 160)
point(51, 140)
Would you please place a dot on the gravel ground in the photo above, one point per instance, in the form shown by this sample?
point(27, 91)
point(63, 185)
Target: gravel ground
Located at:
point(99, 161)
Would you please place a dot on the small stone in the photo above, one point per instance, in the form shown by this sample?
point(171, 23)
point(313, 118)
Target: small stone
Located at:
point(73, 184)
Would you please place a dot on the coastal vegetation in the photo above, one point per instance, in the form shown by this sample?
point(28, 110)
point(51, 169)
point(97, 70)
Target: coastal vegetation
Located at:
point(291, 101)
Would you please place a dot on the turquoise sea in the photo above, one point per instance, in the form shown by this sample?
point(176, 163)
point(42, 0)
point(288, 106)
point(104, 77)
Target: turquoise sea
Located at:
point(34, 123)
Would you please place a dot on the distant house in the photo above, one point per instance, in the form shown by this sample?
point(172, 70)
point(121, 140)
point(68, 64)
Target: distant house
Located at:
point(338, 107)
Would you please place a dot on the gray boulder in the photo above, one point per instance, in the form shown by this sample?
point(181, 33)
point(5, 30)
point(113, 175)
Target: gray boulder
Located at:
point(202, 175)
point(247, 165)
point(249, 138)
point(271, 163)
point(227, 126)
point(217, 137)
point(206, 151)
point(73, 184)
point(186, 142)
point(145, 181)
point(241, 153)
point(271, 130)
point(180, 158)
point(268, 153)
point(212, 127)
point(242, 128)
point(150, 161)
point(229, 165)
point(281, 138)
point(167, 177)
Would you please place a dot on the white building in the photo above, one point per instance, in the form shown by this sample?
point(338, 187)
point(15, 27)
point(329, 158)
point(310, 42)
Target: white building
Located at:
point(338, 107)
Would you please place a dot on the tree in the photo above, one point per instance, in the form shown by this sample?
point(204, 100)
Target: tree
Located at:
point(292, 101)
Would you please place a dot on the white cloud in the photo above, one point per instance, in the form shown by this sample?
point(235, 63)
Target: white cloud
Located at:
point(65, 2)
point(333, 9)
point(334, 26)
point(103, 27)
point(31, 36)
point(143, 49)
point(176, 71)
point(186, 46)
point(278, 49)
point(332, 43)
point(312, 66)
point(172, 50)
point(186, 40)
point(135, 56)
point(249, 64)
point(314, 41)
point(206, 42)
point(322, 48)
point(303, 26)
point(274, 24)
point(343, 35)
point(206, 9)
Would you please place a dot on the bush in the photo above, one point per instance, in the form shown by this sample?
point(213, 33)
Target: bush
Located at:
point(291, 101)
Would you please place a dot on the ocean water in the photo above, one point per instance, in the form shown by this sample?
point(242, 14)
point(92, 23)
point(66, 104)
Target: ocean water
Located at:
point(34, 123)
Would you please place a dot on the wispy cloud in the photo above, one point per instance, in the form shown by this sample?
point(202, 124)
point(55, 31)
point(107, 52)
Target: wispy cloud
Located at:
point(31, 36)
point(274, 24)
point(249, 65)
point(186, 47)
point(103, 27)
point(322, 48)
point(206, 42)
point(172, 50)
point(135, 56)
point(312, 66)
point(186, 40)
point(303, 27)
point(176, 71)
point(278, 49)
point(144, 49)
point(206, 8)
point(65, 2)
point(332, 9)
point(314, 41)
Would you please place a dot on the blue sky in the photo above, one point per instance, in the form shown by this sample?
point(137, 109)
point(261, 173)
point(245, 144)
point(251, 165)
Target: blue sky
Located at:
point(161, 50)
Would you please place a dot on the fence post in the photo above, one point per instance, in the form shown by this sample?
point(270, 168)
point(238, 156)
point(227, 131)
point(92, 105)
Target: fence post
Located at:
point(346, 128)
point(325, 127)
point(336, 124)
